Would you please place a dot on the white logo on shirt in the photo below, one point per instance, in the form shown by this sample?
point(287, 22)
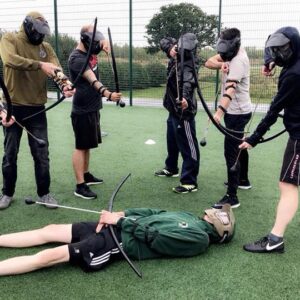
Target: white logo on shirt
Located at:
point(183, 224)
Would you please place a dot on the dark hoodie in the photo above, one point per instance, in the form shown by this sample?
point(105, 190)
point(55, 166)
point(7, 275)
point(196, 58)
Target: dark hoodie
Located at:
point(288, 95)
point(188, 84)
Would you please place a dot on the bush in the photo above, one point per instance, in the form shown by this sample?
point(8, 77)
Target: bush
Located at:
point(143, 76)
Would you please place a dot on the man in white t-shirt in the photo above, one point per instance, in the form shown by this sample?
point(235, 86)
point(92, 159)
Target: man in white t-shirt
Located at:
point(235, 107)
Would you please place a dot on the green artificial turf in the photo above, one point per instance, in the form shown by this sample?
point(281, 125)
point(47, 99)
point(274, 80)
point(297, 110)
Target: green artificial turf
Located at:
point(224, 272)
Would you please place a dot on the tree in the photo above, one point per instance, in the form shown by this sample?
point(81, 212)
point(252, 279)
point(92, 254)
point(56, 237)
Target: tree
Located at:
point(174, 20)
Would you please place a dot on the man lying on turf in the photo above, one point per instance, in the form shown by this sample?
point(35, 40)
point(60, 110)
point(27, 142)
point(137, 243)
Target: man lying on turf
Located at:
point(142, 232)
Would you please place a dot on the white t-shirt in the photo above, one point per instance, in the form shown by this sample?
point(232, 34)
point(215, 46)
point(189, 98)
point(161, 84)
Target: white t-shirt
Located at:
point(239, 70)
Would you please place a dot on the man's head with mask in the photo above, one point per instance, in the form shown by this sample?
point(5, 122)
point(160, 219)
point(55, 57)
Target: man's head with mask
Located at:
point(229, 43)
point(35, 27)
point(189, 43)
point(280, 49)
point(86, 35)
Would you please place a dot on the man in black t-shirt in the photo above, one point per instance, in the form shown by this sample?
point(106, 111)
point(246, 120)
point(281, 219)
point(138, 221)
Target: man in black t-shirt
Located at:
point(86, 105)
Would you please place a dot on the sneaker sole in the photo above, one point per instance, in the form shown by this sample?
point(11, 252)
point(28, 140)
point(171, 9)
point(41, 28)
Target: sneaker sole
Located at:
point(278, 251)
point(93, 183)
point(245, 187)
point(84, 197)
point(175, 175)
point(219, 206)
point(53, 206)
point(242, 187)
point(195, 190)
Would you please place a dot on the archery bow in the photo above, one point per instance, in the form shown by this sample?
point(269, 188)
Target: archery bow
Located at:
point(8, 100)
point(114, 67)
point(62, 98)
point(111, 228)
point(220, 127)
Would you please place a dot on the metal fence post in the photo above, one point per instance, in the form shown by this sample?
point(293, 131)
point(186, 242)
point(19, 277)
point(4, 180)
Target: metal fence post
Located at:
point(56, 36)
point(130, 52)
point(217, 73)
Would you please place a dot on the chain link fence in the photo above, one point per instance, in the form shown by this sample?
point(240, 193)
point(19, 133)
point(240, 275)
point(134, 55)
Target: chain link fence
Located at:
point(142, 75)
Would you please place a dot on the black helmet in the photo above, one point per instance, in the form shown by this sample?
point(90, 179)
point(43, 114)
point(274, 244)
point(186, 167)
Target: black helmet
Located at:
point(36, 27)
point(188, 41)
point(280, 48)
point(229, 43)
point(86, 39)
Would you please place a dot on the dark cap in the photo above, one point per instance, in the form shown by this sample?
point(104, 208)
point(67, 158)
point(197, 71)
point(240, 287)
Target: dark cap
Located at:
point(98, 36)
point(38, 21)
point(277, 39)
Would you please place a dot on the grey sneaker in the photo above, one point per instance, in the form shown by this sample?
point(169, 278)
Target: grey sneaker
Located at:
point(49, 201)
point(5, 201)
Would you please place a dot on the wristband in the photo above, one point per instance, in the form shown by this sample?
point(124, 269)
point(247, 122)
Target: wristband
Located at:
point(223, 109)
point(109, 97)
point(101, 90)
point(92, 84)
point(232, 86)
point(227, 96)
point(232, 80)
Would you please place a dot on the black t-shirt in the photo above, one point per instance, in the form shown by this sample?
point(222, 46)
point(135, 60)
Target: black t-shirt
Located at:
point(86, 98)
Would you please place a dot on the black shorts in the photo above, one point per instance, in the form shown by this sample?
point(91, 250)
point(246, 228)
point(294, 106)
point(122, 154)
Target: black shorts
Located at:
point(93, 251)
point(291, 163)
point(86, 129)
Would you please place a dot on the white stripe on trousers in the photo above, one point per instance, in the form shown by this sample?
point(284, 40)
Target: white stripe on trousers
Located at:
point(188, 133)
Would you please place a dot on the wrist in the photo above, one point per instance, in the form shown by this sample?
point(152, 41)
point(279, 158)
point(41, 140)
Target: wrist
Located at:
point(109, 96)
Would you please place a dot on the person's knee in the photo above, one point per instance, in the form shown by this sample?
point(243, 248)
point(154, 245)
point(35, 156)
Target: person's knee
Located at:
point(49, 257)
point(45, 258)
point(47, 232)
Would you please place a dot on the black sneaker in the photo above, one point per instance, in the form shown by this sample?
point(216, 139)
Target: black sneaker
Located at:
point(166, 173)
point(185, 188)
point(83, 191)
point(91, 179)
point(243, 185)
point(265, 245)
point(233, 201)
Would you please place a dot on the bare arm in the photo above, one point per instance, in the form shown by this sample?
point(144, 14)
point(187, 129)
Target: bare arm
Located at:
point(225, 100)
point(99, 87)
point(215, 62)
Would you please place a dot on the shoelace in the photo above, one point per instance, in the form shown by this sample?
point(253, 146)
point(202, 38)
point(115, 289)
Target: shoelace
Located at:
point(263, 241)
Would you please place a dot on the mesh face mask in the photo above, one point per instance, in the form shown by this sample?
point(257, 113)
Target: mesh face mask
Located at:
point(86, 38)
point(281, 55)
point(36, 29)
point(280, 48)
point(228, 49)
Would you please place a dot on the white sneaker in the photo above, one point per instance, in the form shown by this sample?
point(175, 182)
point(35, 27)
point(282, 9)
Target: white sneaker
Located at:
point(5, 201)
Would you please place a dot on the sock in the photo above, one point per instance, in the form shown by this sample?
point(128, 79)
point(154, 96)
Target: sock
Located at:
point(275, 238)
point(80, 185)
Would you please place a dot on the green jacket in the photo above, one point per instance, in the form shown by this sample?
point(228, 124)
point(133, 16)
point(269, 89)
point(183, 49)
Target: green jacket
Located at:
point(150, 233)
point(26, 83)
